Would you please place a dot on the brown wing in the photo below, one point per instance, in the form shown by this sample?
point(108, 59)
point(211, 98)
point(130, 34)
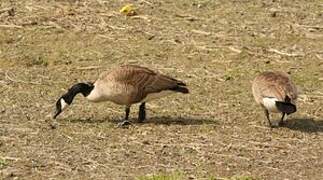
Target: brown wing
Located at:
point(143, 81)
point(274, 84)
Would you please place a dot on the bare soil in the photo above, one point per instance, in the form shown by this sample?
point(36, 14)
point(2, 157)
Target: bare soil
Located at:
point(216, 46)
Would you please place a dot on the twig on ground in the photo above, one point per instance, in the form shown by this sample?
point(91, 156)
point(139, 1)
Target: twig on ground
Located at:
point(20, 81)
point(234, 49)
point(109, 15)
point(141, 17)
point(68, 137)
point(188, 17)
point(204, 48)
point(52, 24)
point(104, 36)
point(147, 2)
point(99, 164)
point(10, 26)
point(10, 158)
point(262, 127)
point(115, 27)
point(319, 56)
point(308, 26)
point(3, 82)
point(232, 156)
point(284, 53)
point(5, 10)
point(201, 32)
point(89, 67)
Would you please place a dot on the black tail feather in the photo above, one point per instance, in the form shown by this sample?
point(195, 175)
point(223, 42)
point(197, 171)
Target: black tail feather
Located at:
point(180, 89)
point(286, 107)
point(287, 99)
point(180, 83)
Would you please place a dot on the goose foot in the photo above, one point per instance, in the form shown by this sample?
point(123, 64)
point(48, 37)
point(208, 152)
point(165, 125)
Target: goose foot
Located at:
point(281, 123)
point(124, 124)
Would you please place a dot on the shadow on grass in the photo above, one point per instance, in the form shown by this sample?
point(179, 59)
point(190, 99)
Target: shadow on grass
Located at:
point(169, 120)
point(86, 120)
point(305, 125)
point(166, 120)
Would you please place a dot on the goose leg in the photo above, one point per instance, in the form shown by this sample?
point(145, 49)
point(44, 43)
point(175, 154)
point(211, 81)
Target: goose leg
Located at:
point(125, 122)
point(142, 112)
point(127, 113)
point(267, 116)
point(281, 122)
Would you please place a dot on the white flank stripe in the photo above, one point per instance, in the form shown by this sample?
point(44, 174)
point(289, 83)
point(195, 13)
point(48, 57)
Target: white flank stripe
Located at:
point(270, 104)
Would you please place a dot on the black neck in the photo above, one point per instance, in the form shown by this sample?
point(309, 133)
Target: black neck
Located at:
point(84, 88)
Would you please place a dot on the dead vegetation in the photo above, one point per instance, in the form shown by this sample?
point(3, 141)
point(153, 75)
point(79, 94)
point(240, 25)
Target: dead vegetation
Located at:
point(217, 47)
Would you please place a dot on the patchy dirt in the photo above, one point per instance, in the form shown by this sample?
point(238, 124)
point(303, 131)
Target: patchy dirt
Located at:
point(217, 47)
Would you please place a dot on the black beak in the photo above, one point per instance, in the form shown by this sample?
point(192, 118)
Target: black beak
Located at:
point(57, 112)
point(58, 108)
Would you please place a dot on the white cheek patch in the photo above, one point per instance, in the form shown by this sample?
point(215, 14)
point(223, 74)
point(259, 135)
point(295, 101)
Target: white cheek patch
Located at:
point(270, 104)
point(64, 105)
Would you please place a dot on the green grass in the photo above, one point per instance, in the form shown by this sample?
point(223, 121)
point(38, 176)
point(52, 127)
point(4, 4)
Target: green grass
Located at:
point(214, 132)
point(3, 163)
point(163, 176)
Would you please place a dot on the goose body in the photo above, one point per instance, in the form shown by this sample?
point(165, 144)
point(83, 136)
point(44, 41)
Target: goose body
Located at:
point(125, 85)
point(275, 92)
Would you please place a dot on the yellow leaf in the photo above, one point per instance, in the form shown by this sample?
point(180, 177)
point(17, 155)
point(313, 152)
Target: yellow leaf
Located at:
point(128, 10)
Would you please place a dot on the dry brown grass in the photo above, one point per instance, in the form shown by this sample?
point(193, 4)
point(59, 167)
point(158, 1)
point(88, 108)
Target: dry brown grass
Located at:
point(217, 47)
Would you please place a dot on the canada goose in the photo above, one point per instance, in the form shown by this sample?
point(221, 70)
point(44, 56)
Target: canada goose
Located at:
point(125, 85)
point(275, 92)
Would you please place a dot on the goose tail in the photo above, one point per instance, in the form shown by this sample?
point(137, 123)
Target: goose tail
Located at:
point(180, 89)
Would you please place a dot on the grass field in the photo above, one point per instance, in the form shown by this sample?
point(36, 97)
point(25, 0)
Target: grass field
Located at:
point(216, 46)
